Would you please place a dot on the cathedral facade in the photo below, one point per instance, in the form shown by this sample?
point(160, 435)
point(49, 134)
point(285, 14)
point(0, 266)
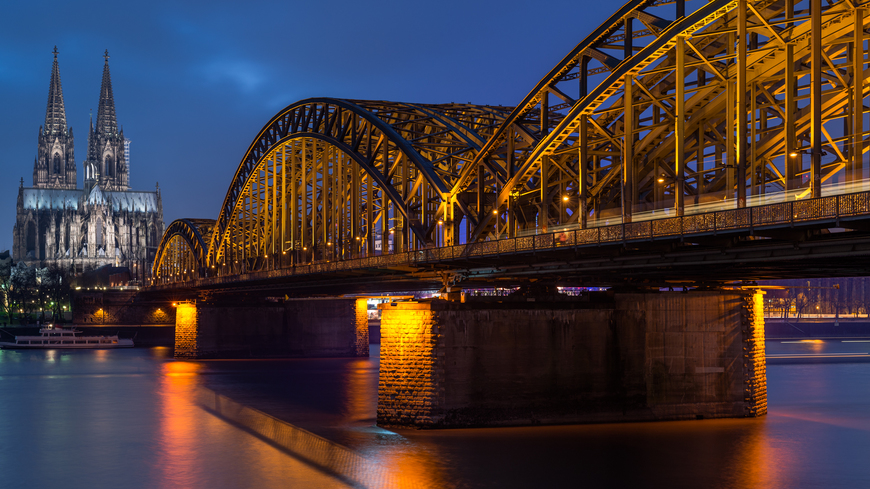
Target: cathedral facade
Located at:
point(101, 223)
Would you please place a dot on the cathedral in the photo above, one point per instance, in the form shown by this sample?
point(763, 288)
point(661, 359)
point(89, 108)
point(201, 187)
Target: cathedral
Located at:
point(102, 223)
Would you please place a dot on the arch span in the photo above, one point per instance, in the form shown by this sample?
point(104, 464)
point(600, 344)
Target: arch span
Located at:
point(386, 177)
point(710, 111)
point(182, 250)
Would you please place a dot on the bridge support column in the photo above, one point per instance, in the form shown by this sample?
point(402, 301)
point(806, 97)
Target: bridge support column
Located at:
point(623, 357)
point(318, 327)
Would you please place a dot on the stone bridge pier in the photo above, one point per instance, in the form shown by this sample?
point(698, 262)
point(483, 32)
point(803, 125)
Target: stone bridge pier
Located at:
point(312, 327)
point(609, 358)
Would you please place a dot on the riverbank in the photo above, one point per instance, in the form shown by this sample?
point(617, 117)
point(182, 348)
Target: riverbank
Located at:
point(816, 328)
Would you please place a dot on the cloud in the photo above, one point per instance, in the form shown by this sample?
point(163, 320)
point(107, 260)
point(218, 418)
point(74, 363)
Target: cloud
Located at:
point(245, 75)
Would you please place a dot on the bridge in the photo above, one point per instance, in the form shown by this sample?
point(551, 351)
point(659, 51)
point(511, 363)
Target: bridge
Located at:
point(679, 143)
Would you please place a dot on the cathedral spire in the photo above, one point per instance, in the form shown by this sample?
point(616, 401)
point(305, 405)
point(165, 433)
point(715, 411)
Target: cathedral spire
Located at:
point(106, 121)
point(55, 114)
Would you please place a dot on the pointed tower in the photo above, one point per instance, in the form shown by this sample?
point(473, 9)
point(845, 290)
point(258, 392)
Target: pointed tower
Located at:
point(106, 140)
point(55, 165)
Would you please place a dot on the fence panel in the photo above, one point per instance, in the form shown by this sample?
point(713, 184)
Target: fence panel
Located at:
point(543, 241)
point(638, 230)
point(807, 210)
point(733, 219)
point(610, 233)
point(667, 227)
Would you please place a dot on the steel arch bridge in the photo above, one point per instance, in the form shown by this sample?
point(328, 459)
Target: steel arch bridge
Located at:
point(182, 250)
point(667, 109)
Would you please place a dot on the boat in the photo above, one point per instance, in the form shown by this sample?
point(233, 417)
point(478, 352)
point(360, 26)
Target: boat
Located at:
point(51, 338)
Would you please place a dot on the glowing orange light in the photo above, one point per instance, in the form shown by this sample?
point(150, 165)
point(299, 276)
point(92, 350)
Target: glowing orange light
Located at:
point(565, 199)
point(440, 222)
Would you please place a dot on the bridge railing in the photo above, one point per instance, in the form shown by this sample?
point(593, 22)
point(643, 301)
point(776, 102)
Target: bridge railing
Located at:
point(822, 210)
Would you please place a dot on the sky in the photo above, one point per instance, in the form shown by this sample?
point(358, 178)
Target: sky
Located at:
point(194, 82)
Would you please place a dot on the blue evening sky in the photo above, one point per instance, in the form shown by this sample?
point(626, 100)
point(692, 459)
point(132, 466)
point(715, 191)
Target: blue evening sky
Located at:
point(194, 82)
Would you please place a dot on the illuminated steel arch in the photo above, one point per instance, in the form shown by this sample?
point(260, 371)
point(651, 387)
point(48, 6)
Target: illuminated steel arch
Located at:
point(687, 146)
point(182, 251)
point(646, 118)
point(329, 179)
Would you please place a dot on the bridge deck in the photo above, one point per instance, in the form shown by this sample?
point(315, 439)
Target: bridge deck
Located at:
point(807, 238)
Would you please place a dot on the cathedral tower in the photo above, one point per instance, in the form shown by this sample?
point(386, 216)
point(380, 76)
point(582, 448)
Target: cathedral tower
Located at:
point(106, 164)
point(55, 164)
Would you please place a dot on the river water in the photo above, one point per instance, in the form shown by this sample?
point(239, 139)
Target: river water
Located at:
point(137, 418)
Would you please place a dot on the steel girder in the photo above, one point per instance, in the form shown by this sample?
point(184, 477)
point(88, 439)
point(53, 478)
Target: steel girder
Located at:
point(182, 250)
point(328, 178)
point(683, 143)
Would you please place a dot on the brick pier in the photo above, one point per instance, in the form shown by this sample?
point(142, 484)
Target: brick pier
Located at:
point(622, 357)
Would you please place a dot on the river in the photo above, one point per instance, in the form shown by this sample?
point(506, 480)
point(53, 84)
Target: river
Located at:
point(137, 418)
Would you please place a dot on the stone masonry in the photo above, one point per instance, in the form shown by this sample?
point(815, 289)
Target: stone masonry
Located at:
point(313, 327)
point(626, 357)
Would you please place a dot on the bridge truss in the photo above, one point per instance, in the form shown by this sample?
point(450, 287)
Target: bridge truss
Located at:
point(667, 109)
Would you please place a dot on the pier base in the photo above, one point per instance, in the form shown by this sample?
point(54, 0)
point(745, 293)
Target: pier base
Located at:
point(622, 357)
point(317, 327)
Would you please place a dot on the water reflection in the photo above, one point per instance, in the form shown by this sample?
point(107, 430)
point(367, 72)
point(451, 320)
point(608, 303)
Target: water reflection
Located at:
point(140, 417)
point(177, 432)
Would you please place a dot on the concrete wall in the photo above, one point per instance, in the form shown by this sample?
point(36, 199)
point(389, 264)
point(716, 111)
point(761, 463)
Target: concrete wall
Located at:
point(631, 357)
point(119, 307)
point(294, 328)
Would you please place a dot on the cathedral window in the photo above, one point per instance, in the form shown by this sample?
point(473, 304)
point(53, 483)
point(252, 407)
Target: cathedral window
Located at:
point(30, 239)
point(110, 170)
point(57, 163)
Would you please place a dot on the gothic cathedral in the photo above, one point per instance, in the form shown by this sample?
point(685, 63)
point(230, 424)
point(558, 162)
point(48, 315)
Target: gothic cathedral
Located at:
point(103, 223)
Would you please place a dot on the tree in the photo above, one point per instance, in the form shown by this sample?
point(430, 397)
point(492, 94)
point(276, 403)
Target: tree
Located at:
point(22, 293)
point(54, 288)
point(6, 284)
point(800, 304)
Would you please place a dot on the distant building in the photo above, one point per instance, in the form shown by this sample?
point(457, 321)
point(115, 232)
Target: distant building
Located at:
point(103, 223)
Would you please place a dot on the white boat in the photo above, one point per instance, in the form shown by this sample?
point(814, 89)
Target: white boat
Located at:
point(51, 338)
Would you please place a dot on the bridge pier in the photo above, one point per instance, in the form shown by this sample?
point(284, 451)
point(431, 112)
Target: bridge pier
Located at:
point(311, 327)
point(622, 357)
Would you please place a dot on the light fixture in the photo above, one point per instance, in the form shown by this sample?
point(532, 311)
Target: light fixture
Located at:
point(440, 222)
point(565, 198)
point(494, 212)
